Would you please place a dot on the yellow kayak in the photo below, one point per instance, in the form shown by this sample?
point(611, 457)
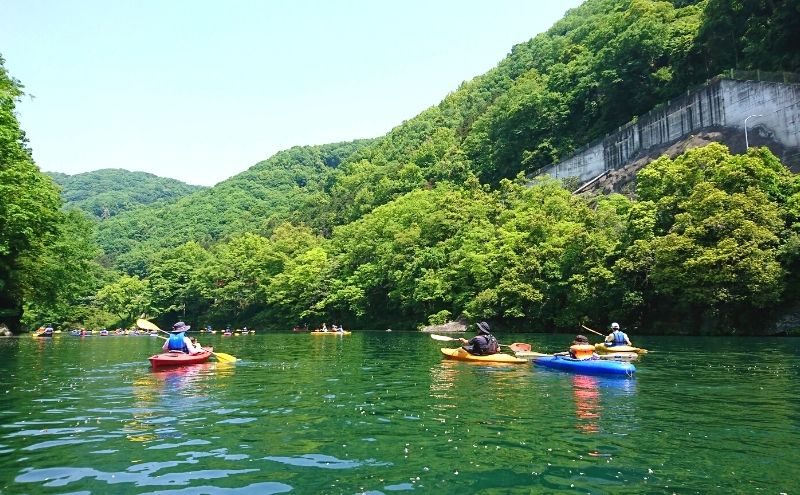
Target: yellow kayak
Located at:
point(330, 333)
point(460, 354)
point(602, 348)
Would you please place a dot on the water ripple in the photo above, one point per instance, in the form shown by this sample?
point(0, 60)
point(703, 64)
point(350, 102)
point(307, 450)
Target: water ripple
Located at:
point(265, 488)
point(324, 461)
point(62, 476)
point(182, 444)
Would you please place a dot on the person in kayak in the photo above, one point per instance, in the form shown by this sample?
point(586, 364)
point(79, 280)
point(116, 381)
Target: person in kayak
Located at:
point(483, 344)
point(581, 348)
point(178, 341)
point(617, 337)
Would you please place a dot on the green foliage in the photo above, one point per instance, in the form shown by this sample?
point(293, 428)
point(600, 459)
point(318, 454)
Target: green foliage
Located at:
point(108, 192)
point(434, 218)
point(174, 281)
point(714, 245)
point(59, 283)
point(126, 299)
point(439, 318)
point(749, 35)
point(29, 204)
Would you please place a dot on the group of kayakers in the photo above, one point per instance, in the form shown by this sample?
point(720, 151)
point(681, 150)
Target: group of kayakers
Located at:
point(334, 328)
point(485, 344)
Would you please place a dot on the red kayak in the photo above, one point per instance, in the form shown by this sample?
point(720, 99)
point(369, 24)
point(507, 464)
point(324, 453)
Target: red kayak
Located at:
point(177, 358)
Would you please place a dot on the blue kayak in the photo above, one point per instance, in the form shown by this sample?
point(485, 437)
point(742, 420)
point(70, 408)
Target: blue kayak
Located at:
point(586, 366)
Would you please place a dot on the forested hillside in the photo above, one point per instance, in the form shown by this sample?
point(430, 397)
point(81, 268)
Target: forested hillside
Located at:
point(431, 221)
point(108, 192)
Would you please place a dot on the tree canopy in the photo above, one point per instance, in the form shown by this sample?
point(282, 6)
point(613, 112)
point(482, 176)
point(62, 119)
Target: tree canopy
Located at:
point(435, 219)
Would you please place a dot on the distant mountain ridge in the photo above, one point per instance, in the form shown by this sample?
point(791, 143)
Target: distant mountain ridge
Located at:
point(108, 192)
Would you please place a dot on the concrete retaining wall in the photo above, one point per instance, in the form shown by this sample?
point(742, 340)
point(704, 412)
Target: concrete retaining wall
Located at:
point(721, 103)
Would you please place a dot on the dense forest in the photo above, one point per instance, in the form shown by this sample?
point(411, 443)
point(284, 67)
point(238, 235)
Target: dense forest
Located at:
point(435, 220)
point(108, 192)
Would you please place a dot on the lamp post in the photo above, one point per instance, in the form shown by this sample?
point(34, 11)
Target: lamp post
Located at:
point(746, 144)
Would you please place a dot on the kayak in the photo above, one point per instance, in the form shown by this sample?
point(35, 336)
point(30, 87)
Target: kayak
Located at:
point(460, 354)
point(603, 348)
point(530, 354)
point(586, 366)
point(329, 333)
point(176, 358)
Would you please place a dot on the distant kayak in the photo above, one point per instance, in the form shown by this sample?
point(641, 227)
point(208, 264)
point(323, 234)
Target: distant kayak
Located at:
point(586, 366)
point(180, 358)
point(602, 348)
point(329, 333)
point(460, 354)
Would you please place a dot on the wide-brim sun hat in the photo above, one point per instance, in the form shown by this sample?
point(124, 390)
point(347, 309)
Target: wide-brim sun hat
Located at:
point(483, 327)
point(180, 327)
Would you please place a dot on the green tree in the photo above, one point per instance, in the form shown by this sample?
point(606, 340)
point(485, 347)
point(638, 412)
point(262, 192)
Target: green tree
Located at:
point(29, 207)
point(127, 298)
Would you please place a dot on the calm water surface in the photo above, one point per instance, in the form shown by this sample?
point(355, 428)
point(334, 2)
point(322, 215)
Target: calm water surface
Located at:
point(383, 413)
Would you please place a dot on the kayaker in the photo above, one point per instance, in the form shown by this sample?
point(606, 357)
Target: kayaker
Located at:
point(617, 337)
point(178, 341)
point(483, 344)
point(581, 348)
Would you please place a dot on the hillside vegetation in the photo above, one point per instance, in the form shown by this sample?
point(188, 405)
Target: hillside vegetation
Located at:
point(108, 192)
point(433, 221)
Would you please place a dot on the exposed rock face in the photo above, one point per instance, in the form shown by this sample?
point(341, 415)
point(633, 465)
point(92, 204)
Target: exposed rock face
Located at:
point(789, 323)
point(4, 331)
point(450, 326)
point(623, 180)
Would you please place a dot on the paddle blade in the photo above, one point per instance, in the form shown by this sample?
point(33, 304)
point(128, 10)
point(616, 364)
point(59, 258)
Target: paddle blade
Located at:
point(441, 337)
point(146, 325)
point(224, 358)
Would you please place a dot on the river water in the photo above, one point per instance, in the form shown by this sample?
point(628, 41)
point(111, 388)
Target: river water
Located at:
point(383, 413)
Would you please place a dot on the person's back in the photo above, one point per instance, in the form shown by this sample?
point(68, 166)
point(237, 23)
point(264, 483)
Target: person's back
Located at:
point(176, 343)
point(617, 336)
point(483, 344)
point(177, 340)
point(581, 348)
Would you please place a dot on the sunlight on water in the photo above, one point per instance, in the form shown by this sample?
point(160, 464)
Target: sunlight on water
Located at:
point(378, 413)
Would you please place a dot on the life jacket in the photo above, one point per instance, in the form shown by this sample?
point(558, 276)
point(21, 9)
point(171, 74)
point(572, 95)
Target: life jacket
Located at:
point(485, 345)
point(176, 343)
point(618, 338)
point(581, 351)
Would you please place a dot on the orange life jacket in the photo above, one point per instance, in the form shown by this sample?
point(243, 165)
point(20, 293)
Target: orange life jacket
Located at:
point(581, 351)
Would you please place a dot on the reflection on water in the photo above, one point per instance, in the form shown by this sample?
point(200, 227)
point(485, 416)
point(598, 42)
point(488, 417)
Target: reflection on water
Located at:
point(592, 394)
point(587, 402)
point(384, 413)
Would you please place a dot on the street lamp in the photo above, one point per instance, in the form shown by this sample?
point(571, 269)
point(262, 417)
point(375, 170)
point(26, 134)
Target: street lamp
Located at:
point(746, 144)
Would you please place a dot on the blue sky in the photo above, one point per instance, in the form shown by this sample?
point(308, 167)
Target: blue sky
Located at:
point(201, 90)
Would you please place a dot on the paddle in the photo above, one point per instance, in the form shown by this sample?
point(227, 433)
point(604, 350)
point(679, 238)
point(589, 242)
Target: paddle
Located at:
point(221, 356)
point(516, 346)
point(593, 331)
